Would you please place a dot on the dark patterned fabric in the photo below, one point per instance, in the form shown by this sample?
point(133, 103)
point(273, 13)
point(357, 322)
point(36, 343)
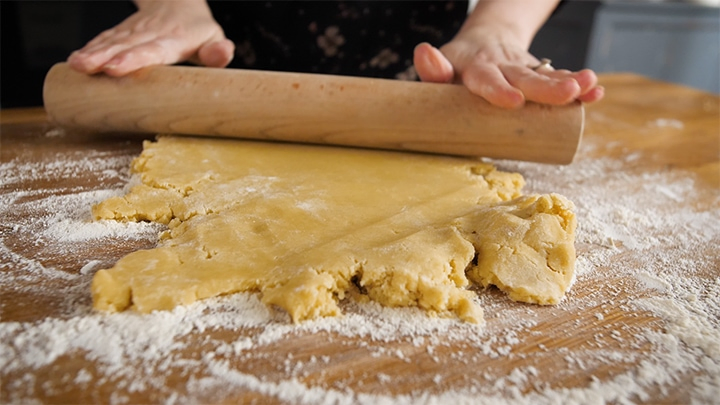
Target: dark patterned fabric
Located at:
point(359, 38)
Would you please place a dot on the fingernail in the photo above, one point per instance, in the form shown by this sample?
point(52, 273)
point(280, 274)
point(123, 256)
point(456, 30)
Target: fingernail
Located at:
point(111, 64)
point(109, 69)
point(421, 44)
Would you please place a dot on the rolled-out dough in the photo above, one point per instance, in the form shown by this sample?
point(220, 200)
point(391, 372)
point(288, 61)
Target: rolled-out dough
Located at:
point(306, 225)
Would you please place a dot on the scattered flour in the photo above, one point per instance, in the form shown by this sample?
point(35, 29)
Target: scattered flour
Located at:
point(638, 256)
point(667, 123)
point(89, 267)
point(55, 132)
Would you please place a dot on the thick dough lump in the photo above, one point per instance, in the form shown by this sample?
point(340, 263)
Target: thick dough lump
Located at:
point(307, 225)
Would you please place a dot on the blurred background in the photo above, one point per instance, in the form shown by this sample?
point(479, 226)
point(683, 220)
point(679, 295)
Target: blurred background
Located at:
point(675, 41)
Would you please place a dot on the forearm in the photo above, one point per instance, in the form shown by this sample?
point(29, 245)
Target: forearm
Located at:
point(519, 18)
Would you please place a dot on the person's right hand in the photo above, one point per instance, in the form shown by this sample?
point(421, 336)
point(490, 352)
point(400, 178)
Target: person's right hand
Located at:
point(160, 32)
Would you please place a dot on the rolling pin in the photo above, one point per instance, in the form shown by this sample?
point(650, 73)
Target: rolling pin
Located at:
point(312, 108)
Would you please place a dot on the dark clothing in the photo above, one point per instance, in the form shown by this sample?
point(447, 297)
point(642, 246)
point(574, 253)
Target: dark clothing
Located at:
point(359, 38)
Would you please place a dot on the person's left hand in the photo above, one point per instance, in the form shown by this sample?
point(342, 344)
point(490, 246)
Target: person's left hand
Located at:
point(502, 72)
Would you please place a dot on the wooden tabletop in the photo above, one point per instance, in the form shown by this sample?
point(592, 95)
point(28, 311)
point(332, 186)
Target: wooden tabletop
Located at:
point(640, 324)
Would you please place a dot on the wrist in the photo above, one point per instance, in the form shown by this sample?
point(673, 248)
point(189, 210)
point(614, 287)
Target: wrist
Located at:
point(169, 4)
point(515, 21)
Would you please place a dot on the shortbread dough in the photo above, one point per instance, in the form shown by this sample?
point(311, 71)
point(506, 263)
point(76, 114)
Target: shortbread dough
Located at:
point(306, 226)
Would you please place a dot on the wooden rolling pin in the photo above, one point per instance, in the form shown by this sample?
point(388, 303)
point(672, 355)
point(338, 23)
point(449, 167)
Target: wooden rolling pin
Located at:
point(312, 108)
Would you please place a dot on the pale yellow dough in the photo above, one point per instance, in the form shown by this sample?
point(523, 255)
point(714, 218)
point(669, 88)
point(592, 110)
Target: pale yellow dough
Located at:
point(306, 225)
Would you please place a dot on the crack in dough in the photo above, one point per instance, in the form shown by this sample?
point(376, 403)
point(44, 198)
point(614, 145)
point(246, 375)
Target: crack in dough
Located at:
point(307, 226)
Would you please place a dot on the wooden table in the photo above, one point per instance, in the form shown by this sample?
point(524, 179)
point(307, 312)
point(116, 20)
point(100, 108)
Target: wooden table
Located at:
point(640, 324)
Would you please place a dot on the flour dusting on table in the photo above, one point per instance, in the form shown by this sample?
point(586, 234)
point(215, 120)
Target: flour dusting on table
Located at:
point(635, 256)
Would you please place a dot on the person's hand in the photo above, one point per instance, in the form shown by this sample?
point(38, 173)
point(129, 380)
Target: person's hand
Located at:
point(160, 32)
point(502, 71)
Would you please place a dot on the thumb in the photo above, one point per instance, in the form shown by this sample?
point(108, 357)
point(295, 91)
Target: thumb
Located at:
point(431, 65)
point(216, 53)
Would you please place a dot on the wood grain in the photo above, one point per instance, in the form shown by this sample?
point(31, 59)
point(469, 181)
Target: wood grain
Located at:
point(311, 108)
point(622, 125)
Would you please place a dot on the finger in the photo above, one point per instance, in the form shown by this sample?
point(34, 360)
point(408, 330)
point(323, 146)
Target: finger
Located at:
point(537, 86)
point(431, 65)
point(216, 53)
point(586, 78)
point(85, 60)
point(92, 59)
point(487, 81)
point(595, 94)
point(100, 38)
point(121, 40)
point(92, 62)
point(78, 61)
point(137, 57)
point(112, 36)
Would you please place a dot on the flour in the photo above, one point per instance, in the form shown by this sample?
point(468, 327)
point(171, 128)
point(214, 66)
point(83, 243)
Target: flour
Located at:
point(638, 255)
point(667, 123)
point(101, 165)
point(75, 224)
point(89, 267)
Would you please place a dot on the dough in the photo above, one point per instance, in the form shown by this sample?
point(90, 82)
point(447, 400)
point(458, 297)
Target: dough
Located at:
point(306, 225)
